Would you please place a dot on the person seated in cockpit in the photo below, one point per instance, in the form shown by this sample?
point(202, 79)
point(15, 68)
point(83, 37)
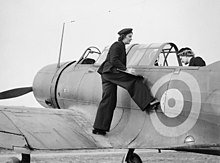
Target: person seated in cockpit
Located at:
point(187, 57)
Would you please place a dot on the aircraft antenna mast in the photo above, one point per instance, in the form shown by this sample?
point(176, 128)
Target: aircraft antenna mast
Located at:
point(61, 42)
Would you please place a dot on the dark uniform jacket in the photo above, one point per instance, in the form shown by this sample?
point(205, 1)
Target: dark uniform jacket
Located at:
point(197, 61)
point(116, 58)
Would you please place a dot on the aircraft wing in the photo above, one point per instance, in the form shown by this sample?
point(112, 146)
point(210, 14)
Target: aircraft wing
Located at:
point(27, 128)
point(45, 129)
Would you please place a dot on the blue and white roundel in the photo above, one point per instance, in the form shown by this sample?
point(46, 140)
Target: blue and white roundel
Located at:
point(180, 101)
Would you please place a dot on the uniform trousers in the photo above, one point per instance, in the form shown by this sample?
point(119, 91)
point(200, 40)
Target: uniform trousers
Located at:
point(138, 91)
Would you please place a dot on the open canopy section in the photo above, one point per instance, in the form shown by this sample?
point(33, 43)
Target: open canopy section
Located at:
point(155, 54)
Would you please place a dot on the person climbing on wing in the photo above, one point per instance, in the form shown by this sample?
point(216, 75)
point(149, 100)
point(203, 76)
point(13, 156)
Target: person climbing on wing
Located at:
point(112, 75)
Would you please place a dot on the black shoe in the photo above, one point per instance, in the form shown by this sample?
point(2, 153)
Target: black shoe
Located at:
point(152, 106)
point(99, 132)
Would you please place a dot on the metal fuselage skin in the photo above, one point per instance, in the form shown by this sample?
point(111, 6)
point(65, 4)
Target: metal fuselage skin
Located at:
point(189, 113)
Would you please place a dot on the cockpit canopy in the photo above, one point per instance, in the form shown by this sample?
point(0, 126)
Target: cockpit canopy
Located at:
point(155, 54)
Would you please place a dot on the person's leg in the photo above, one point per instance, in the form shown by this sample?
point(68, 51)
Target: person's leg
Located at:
point(106, 106)
point(138, 91)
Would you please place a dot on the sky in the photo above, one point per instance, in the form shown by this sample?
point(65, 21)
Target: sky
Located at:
point(30, 32)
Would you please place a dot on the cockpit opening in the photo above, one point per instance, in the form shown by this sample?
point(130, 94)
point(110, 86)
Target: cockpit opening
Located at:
point(90, 55)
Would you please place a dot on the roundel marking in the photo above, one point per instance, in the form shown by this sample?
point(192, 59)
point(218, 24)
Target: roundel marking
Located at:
point(174, 102)
point(173, 106)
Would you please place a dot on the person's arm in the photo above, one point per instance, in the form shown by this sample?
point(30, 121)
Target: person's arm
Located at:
point(115, 52)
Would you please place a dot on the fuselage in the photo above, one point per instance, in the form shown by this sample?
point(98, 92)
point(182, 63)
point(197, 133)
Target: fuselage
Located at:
point(189, 96)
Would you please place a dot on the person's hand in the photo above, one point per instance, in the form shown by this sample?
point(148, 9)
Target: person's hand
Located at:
point(130, 70)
